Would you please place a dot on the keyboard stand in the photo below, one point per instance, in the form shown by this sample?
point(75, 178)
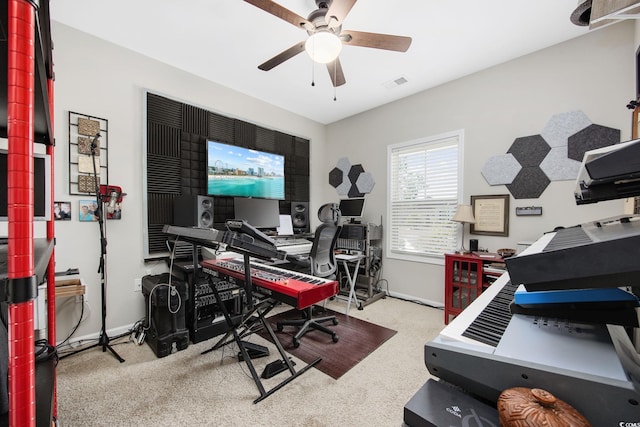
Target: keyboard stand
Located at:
point(351, 277)
point(259, 310)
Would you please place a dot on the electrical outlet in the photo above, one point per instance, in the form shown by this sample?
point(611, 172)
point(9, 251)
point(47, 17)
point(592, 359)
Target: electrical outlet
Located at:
point(137, 285)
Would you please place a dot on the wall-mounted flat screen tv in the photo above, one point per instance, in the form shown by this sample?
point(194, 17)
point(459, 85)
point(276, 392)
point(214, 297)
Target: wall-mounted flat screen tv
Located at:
point(244, 172)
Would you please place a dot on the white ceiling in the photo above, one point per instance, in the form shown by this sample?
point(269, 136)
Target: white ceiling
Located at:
point(225, 40)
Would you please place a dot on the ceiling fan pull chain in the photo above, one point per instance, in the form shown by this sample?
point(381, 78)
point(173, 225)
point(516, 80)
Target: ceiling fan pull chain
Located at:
point(313, 68)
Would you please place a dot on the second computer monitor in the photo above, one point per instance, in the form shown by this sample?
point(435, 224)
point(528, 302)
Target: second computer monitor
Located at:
point(261, 213)
point(351, 208)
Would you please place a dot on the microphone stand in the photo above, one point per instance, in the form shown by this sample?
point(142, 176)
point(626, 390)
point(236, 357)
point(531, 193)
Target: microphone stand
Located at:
point(103, 339)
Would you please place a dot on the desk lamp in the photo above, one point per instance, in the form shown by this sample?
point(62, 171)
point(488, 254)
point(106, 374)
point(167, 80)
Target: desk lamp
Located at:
point(464, 215)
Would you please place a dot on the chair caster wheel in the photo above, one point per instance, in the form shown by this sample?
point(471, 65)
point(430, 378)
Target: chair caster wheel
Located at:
point(335, 322)
point(296, 342)
point(335, 338)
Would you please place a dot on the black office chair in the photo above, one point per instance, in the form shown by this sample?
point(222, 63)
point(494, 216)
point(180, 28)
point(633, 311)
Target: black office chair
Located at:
point(320, 262)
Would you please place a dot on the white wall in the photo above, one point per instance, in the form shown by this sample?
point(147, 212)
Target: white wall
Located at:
point(593, 73)
point(99, 79)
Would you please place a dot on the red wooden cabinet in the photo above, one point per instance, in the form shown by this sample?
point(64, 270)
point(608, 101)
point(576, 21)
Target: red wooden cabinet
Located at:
point(465, 278)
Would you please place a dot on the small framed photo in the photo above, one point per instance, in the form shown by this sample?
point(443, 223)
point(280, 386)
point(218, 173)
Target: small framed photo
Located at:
point(87, 210)
point(491, 214)
point(62, 211)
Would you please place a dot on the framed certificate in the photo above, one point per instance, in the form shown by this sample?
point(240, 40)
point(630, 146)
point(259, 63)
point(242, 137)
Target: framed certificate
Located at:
point(491, 214)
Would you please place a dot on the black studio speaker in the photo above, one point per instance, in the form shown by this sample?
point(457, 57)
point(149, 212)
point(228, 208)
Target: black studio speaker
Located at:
point(300, 217)
point(193, 211)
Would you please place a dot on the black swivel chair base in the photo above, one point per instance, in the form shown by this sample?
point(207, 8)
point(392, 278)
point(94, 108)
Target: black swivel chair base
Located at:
point(309, 323)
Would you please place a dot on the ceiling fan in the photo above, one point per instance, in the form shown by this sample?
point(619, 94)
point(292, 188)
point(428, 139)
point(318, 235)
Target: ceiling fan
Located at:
point(326, 36)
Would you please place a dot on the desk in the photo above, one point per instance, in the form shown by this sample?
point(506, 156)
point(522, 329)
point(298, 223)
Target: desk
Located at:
point(351, 277)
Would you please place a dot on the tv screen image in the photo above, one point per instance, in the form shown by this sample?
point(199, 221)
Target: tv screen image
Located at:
point(244, 172)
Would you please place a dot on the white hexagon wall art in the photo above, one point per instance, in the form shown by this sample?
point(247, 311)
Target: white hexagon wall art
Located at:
point(501, 169)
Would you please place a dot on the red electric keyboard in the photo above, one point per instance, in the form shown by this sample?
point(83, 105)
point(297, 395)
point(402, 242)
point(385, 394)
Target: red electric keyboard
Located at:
point(298, 290)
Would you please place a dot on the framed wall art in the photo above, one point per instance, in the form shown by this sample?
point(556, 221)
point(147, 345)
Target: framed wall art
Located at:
point(491, 214)
point(87, 210)
point(88, 149)
point(62, 211)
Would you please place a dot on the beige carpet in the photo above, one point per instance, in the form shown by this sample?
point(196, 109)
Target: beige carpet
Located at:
point(190, 389)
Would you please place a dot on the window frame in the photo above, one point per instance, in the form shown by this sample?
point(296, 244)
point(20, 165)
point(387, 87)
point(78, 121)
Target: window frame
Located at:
point(393, 253)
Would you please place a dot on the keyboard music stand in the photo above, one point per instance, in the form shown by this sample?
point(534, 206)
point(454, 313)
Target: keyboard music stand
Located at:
point(236, 241)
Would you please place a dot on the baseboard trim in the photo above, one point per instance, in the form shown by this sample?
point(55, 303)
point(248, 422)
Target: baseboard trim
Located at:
point(434, 304)
point(77, 341)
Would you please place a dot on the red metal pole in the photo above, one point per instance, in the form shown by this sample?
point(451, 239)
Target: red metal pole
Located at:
point(51, 270)
point(20, 260)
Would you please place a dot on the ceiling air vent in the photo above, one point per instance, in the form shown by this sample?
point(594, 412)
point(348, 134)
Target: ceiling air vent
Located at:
point(395, 83)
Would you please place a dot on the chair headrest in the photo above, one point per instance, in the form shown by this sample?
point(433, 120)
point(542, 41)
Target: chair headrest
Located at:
point(329, 213)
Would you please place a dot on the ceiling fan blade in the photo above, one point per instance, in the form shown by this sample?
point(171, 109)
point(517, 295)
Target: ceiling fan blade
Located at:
point(335, 71)
point(282, 56)
point(338, 11)
point(283, 13)
point(376, 40)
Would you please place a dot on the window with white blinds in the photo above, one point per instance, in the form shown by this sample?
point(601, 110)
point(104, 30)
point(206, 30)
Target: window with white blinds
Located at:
point(423, 195)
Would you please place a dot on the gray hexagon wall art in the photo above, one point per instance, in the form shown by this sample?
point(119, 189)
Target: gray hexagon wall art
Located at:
point(350, 180)
point(533, 162)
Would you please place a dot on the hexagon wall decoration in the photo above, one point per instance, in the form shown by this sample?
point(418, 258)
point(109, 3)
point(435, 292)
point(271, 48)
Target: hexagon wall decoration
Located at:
point(338, 181)
point(351, 180)
point(590, 138)
point(558, 167)
point(529, 150)
point(529, 184)
point(561, 126)
point(365, 182)
point(553, 155)
point(501, 169)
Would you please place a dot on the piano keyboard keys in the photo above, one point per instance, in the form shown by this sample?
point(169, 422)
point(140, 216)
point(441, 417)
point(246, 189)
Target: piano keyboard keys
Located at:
point(489, 326)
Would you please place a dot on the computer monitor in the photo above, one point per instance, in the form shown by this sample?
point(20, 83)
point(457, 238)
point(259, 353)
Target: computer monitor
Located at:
point(351, 208)
point(41, 186)
point(261, 213)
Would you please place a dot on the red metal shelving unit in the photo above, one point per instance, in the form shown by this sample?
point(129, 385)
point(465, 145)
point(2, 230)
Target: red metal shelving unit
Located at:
point(29, 103)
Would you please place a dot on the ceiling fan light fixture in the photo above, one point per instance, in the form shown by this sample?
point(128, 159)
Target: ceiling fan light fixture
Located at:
point(323, 47)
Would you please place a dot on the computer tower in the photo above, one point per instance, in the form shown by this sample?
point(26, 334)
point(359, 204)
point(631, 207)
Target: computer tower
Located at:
point(165, 313)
